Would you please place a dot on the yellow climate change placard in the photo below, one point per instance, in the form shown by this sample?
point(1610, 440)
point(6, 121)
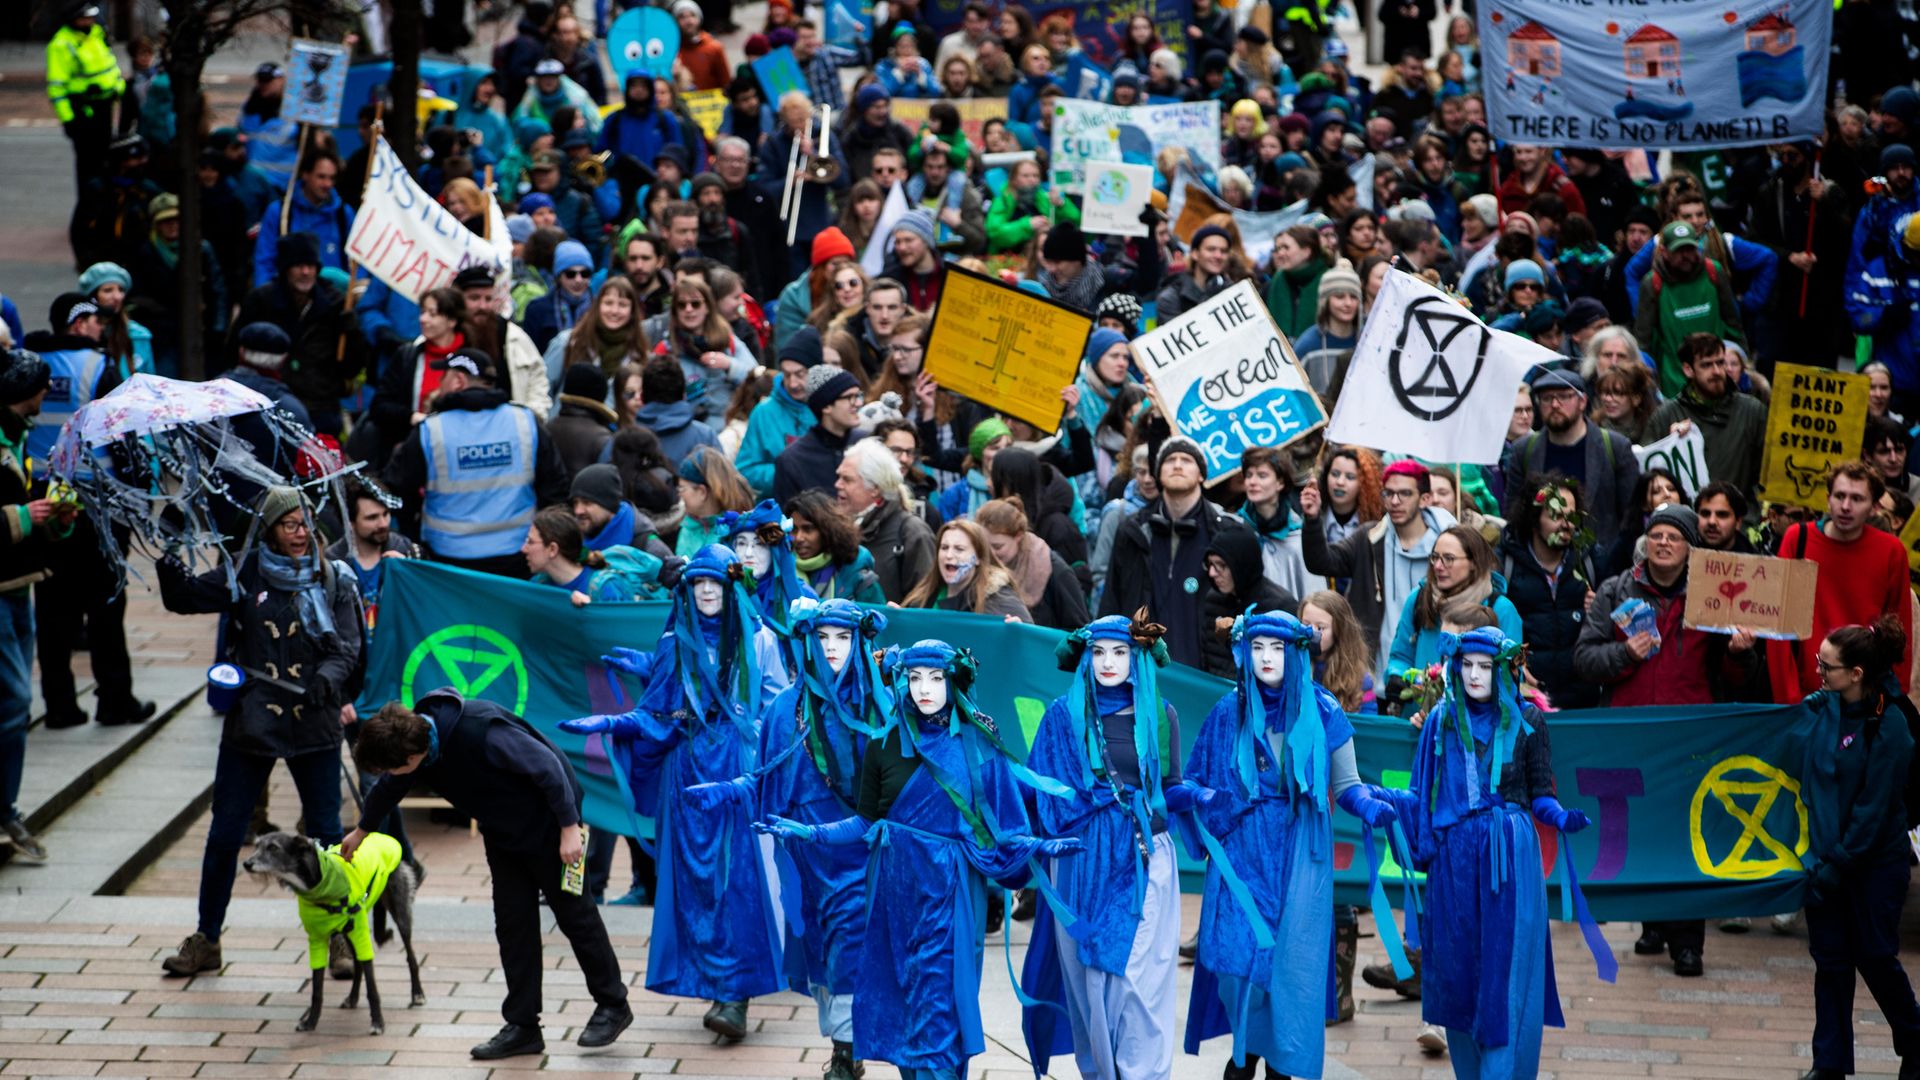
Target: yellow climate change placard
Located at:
point(1817, 417)
point(1005, 348)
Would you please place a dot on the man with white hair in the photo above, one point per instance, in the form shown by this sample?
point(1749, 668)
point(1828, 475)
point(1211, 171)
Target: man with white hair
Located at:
point(871, 489)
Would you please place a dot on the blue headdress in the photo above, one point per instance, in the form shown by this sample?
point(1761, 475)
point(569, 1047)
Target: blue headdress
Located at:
point(715, 662)
point(1511, 722)
point(782, 585)
point(1151, 732)
point(1302, 756)
point(855, 696)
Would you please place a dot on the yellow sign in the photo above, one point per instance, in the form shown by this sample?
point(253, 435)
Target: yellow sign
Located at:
point(708, 107)
point(974, 113)
point(1005, 348)
point(1817, 417)
point(1729, 782)
point(1910, 536)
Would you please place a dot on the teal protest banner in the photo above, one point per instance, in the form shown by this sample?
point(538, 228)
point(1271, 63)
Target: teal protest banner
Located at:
point(1696, 811)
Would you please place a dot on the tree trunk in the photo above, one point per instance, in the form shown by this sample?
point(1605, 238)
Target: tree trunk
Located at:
point(404, 87)
point(186, 60)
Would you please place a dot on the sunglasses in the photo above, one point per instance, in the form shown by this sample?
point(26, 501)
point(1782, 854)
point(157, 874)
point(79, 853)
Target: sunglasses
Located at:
point(850, 283)
point(1530, 286)
point(691, 305)
point(579, 274)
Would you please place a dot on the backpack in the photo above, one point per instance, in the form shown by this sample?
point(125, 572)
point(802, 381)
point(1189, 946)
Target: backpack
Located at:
point(637, 569)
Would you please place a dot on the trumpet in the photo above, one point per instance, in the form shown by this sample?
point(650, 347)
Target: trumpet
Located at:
point(821, 168)
point(592, 169)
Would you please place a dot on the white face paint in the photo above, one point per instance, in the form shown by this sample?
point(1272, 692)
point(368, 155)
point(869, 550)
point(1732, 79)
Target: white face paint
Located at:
point(1112, 662)
point(1476, 674)
point(836, 644)
point(709, 596)
point(1269, 657)
point(928, 688)
point(756, 556)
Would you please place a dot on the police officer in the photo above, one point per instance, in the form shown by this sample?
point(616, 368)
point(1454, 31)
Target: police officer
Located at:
point(83, 82)
point(495, 767)
point(475, 468)
point(81, 590)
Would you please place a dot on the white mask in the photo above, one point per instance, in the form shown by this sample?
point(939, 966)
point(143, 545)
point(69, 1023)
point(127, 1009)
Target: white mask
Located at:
point(928, 688)
point(754, 554)
point(836, 644)
point(1476, 674)
point(709, 596)
point(1269, 658)
point(1112, 662)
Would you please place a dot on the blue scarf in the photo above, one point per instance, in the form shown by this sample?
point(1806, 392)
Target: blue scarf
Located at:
point(618, 530)
point(305, 581)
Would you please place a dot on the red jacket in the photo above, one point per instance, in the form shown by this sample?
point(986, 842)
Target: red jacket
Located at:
point(1859, 582)
point(1515, 195)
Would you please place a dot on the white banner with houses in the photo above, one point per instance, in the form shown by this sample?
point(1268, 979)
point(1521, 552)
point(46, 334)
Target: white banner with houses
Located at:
point(1655, 74)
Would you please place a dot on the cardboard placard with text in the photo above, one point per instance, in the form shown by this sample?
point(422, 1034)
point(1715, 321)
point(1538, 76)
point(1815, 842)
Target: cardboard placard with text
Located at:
point(1771, 597)
point(1004, 347)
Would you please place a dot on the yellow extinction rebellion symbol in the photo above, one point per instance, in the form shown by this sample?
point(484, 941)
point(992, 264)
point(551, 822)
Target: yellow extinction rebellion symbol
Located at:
point(1745, 788)
point(471, 659)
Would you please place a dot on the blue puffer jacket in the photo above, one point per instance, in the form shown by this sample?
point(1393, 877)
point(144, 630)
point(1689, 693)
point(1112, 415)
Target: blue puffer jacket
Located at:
point(329, 222)
point(1756, 264)
point(1883, 301)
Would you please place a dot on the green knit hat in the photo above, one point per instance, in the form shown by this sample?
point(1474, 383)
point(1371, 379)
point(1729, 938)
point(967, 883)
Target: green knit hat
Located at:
point(985, 432)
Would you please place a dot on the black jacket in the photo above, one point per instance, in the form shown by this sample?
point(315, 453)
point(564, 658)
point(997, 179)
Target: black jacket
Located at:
point(1130, 574)
point(406, 473)
point(809, 462)
point(317, 370)
point(1551, 616)
point(902, 548)
point(1062, 605)
point(1240, 550)
point(265, 636)
point(581, 431)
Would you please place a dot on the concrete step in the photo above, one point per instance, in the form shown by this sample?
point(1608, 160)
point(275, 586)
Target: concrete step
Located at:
point(63, 765)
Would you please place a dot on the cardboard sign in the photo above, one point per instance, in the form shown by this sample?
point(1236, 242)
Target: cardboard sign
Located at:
point(1771, 597)
point(1910, 536)
point(1817, 417)
point(316, 82)
point(1116, 194)
point(1684, 457)
point(1225, 377)
point(1005, 348)
point(708, 108)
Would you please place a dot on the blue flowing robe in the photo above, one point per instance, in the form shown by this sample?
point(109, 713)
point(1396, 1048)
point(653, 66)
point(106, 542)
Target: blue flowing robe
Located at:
point(714, 932)
point(917, 998)
point(1276, 1001)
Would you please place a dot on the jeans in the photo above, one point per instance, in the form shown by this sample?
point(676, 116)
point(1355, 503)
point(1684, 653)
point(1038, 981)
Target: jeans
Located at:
point(238, 779)
point(16, 693)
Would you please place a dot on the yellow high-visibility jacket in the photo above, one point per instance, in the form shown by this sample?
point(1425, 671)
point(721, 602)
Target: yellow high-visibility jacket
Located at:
point(81, 65)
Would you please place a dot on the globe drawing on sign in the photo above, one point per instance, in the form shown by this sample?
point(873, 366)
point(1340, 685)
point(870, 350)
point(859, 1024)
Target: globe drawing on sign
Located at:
point(1110, 188)
point(1436, 358)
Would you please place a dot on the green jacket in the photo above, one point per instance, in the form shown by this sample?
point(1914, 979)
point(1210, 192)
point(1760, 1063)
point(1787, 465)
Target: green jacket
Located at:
point(1734, 428)
point(1293, 296)
point(345, 897)
point(1010, 231)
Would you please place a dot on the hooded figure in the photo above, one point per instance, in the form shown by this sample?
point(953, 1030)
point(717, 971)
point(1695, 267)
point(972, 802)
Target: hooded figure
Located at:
point(698, 720)
point(1482, 774)
point(941, 814)
point(1113, 744)
point(812, 741)
point(763, 539)
point(1270, 754)
point(1253, 592)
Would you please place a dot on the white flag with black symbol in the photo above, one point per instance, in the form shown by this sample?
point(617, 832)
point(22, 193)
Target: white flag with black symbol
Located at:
point(1429, 379)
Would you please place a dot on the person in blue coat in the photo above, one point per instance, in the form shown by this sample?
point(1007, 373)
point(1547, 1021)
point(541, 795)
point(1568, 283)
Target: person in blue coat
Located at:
point(783, 416)
point(1112, 744)
point(816, 216)
point(1482, 776)
point(1267, 759)
point(812, 742)
point(273, 139)
point(317, 209)
point(1460, 568)
point(697, 720)
point(763, 539)
point(941, 814)
point(639, 129)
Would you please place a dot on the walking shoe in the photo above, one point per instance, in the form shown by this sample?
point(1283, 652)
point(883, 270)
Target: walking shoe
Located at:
point(339, 957)
point(1432, 1039)
point(512, 1041)
point(1023, 905)
point(605, 1026)
point(1190, 948)
point(636, 897)
point(1687, 964)
point(1788, 923)
point(196, 955)
point(1241, 1072)
point(728, 1019)
point(26, 846)
point(138, 712)
point(843, 1066)
point(996, 912)
point(1651, 943)
point(65, 718)
point(1381, 977)
point(1739, 924)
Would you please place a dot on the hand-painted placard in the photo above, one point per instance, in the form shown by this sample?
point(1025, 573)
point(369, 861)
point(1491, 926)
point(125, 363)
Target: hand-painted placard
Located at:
point(1086, 131)
point(1769, 596)
point(316, 82)
point(1684, 457)
point(1004, 347)
point(1116, 194)
point(1817, 417)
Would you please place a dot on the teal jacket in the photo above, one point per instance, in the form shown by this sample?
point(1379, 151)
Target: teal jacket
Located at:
point(1854, 783)
point(344, 899)
point(771, 426)
point(1417, 649)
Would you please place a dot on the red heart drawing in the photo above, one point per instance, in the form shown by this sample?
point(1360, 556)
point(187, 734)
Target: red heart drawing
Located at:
point(1731, 589)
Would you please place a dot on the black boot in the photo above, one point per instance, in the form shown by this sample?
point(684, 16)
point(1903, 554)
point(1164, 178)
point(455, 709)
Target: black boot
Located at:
point(1024, 904)
point(1241, 1072)
point(728, 1019)
point(1650, 943)
point(996, 911)
point(1346, 946)
point(843, 1066)
point(1382, 977)
point(512, 1041)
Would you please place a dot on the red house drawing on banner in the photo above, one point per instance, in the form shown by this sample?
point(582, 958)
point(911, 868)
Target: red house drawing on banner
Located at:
point(1652, 53)
point(1771, 34)
point(1533, 50)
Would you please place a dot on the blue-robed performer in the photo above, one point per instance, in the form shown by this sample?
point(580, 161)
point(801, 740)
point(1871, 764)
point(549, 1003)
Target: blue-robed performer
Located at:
point(1482, 774)
point(1274, 753)
point(763, 539)
point(708, 682)
point(1114, 744)
point(941, 814)
point(812, 742)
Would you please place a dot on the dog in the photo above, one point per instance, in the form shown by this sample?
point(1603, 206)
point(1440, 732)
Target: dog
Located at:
point(337, 897)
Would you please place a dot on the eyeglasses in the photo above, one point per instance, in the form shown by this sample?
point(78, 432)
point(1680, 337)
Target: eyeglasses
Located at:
point(1437, 559)
point(905, 350)
point(575, 274)
point(851, 395)
point(293, 528)
point(1826, 667)
point(1398, 494)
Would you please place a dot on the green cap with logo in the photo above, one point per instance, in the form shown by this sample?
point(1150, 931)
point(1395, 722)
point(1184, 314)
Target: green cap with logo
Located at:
point(1679, 235)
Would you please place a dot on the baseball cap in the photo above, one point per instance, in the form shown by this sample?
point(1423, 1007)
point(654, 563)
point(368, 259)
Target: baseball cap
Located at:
point(1679, 235)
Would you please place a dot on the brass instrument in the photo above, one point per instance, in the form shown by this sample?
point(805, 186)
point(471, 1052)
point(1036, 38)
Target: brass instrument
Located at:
point(821, 168)
point(592, 169)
